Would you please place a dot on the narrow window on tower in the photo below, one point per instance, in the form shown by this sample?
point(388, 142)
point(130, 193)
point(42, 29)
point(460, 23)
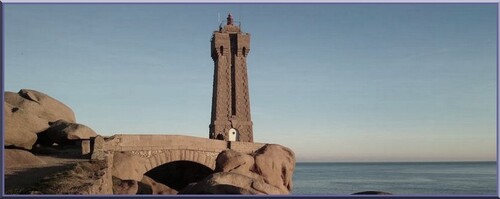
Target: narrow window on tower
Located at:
point(233, 39)
point(221, 50)
point(233, 90)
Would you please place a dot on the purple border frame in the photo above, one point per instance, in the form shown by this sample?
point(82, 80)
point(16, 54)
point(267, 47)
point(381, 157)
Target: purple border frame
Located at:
point(2, 78)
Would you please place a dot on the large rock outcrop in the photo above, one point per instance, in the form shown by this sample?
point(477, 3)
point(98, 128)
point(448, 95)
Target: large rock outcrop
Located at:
point(267, 171)
point(231, 183)
point(63, 132)
point(21, 127)
point(275, 164)
point(40, 104)
point(31, 115)
point(29, 112)
point(236, 162)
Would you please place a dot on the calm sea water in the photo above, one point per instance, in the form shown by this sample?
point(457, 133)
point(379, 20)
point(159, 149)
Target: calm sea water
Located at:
point(439, 178)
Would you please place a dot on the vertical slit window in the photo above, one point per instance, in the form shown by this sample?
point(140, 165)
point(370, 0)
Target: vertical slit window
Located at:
point(233, 39)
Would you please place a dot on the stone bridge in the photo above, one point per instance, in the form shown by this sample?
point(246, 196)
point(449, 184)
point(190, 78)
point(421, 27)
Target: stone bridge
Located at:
point(162, 149)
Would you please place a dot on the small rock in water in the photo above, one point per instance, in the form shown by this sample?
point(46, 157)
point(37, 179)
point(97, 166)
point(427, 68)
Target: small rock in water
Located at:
point(372, 193)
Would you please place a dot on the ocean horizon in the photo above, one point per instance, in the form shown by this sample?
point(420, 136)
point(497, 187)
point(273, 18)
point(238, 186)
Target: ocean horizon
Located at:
point(398, 178)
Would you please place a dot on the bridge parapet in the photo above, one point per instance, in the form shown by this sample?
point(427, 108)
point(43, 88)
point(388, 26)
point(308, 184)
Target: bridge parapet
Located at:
point(132, 142)
point(161, 149)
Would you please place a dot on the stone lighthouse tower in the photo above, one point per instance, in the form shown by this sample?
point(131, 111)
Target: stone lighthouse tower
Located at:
point(230, 99)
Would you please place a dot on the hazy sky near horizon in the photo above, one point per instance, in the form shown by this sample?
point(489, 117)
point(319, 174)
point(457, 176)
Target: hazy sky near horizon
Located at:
point(333, 82)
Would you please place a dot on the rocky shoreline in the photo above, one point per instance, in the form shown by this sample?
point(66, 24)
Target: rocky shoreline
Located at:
point(40, 128)
point(48, 152)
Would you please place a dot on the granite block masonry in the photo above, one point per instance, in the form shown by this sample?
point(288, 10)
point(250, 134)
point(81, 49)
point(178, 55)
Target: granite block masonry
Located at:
point(230, 119)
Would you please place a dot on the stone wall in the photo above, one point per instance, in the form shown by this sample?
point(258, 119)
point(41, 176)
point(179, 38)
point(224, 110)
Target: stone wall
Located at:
point(103, 185)
point(131, 142)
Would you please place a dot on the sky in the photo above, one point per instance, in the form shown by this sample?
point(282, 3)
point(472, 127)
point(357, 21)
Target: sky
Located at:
point(333, 82)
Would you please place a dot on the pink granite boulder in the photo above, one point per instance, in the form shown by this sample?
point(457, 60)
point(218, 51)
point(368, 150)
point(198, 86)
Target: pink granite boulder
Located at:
point(231, 183)
point(40, 104)
point(21, 127)
point(63, 133)
point(267, 171)
point(236, 162)
point(275, 164)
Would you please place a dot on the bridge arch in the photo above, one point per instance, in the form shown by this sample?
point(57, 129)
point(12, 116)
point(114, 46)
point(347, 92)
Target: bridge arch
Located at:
point(177, 168)
point(201, 157)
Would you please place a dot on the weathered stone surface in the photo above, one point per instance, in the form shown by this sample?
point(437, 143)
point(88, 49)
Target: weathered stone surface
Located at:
point(104, 182)
point(268, 171)
point(128, 167)
point(272, 163)
point(17, 157)
point(230, 183)
point(28, 112)
point(125, 187)
point(230, 160)
point(156, 187)
point(98, 152)
point(21, 127)
point(275, 164)
point(40, 104)
point(231, 101)
point(235, 162)
point(143, 153)
point(63, 132)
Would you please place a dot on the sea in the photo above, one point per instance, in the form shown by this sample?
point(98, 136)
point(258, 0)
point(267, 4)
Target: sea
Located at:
point(423, 178)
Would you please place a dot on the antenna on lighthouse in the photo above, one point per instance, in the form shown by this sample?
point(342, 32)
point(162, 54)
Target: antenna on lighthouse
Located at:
point(239, 16)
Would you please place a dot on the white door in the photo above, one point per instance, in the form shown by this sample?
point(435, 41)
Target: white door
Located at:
point(233, 134)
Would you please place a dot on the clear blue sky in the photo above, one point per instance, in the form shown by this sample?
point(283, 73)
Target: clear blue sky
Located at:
point(334, 82)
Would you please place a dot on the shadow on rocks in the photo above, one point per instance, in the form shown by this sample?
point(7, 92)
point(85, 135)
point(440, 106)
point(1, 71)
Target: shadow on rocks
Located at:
point(29, 177)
